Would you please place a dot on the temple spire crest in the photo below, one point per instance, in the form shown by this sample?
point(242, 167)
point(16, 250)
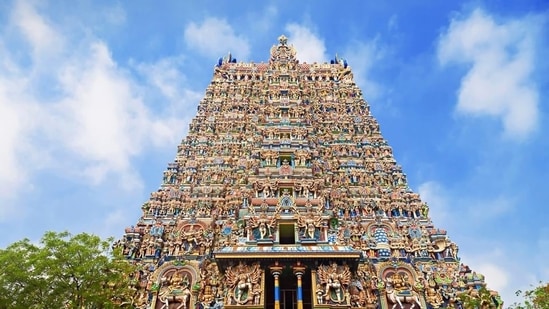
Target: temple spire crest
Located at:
point(283, 55)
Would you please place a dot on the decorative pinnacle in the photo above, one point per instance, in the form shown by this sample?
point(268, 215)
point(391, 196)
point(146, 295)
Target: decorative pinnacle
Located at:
point(283, 40)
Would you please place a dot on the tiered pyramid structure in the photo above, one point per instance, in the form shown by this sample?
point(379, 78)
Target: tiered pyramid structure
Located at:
point(284, 194)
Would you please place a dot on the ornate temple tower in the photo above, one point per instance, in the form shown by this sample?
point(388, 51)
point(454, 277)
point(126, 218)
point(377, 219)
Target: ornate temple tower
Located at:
point(285, 195)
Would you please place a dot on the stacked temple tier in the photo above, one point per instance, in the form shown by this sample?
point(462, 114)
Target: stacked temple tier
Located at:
point(284, 194)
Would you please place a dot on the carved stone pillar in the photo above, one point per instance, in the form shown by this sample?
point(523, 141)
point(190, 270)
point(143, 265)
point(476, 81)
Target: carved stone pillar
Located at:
point(276, 270)
point(299, 270)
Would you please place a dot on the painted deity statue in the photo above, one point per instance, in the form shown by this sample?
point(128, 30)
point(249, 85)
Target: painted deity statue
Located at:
point(241, 281)
point(335, 281)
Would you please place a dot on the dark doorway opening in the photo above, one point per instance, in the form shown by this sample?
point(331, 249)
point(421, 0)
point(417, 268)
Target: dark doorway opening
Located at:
point(286, 234)
point(288, 290)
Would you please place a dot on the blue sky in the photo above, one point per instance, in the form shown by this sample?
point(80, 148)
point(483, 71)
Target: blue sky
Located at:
point(96, 95)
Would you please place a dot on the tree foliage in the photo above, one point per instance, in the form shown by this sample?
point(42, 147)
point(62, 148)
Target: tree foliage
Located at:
point(536, 298)
point(481, 299)
point(63, 271)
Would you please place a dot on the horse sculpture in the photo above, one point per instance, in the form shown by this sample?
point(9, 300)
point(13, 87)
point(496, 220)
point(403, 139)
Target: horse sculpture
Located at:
point(398, 299)
point(168, 297)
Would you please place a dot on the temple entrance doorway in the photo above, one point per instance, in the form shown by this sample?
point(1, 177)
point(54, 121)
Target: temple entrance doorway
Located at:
point(288, 290)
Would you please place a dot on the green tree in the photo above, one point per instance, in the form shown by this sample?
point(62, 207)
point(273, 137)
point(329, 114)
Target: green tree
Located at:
point(481, 299)
point(64, 271)
point(536, 298)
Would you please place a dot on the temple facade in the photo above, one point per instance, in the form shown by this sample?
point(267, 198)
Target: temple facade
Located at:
point(284, 194)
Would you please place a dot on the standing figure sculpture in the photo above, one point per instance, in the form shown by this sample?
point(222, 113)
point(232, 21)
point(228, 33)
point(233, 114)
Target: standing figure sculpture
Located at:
point(335, 280)
point(240, 283)
point(261, 227)
point(310, 227)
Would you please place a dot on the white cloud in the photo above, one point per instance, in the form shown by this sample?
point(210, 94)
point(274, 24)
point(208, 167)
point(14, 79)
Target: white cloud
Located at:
point(165, 76)
point(103, 119)
point(493, 264)
point(435, 196)
point(462, 217)
point(310, 48)
point(501, 58)
point(264, 20)
point(492, 206)
point(496, 277)
point(445, 204)
point(362, 56)
point(116, 14)
point(16, 123)
point(114, 220)
point(100, 119)
point(38, 31)
point(215, 38)
point(96, 121)
point(450, 212)
point(12, 139)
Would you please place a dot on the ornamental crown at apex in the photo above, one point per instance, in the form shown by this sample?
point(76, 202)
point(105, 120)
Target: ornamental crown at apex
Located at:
point(283, 53)
point(283, 40)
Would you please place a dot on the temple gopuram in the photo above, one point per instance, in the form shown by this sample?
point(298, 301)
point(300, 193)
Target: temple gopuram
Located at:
point(284, 194)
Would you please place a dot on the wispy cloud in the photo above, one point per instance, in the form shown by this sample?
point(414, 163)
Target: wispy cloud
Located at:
point(15, 125)
point(264, 20)
point(165, 79)
point(216, 37)
point(484, 254)
point(362, 57)
point(437, 198)
point(37, 30)
point(310, 47)
point(499, 82)
point(95, 122)
point(101, 118)
point(489, 264)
